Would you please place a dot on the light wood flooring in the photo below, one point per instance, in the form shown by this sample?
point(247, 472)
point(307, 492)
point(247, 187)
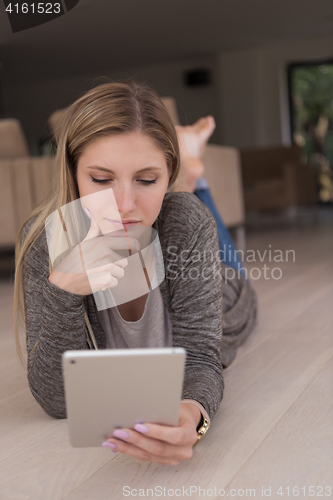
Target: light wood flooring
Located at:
point(274, 428)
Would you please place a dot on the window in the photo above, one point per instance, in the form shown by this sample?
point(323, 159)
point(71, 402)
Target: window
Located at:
point(310, 88)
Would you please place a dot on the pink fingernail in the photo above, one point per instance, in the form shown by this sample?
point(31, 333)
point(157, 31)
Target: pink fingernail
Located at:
point(141, 428)
point(107, 444)
point(118, 433)
point(87, 212)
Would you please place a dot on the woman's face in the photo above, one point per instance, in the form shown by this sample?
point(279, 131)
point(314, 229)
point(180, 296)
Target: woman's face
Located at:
point(136, 170)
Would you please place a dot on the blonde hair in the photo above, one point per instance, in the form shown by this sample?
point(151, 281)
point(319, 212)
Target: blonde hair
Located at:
point(112, 108)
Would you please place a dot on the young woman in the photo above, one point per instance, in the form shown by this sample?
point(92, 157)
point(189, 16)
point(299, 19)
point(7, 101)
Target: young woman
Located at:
point(120, 136)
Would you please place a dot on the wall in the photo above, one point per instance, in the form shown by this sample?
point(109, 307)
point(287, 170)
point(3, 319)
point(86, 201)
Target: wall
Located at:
point(33, 101)
point(248, 95)
point(253, 104)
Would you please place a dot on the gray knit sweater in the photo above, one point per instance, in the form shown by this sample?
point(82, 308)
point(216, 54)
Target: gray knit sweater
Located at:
point(192, 293)
point(187, 232)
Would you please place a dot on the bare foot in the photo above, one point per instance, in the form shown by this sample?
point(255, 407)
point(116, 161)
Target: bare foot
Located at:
point(192, 141)
point(193, 138)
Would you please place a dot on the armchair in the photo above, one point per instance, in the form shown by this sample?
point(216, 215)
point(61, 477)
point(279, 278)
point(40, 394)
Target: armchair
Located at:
point(24, 181)
point(277, 178)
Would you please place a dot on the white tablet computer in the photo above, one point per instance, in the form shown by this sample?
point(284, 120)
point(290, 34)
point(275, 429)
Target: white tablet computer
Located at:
point(112, 388)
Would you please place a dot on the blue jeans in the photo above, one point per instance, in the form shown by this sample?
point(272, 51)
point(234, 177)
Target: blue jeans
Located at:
point(227, 248)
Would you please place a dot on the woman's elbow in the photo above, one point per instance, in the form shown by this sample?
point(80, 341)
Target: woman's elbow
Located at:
point(55, 407)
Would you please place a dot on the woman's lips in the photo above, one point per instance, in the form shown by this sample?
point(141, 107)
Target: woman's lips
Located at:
point(130, 223)
point(122, 224)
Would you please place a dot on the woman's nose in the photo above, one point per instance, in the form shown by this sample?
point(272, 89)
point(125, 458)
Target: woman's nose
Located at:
point(125, 200)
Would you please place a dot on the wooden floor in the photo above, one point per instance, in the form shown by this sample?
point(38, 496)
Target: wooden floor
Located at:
point(273, 430)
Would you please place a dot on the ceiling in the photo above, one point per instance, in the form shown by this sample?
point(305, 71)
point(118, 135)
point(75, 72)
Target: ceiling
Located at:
point(99, 34)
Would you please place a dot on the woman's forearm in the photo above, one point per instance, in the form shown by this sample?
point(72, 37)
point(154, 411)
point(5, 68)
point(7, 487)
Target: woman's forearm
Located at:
point(58, 326)
point(195, 285)
point(54, 324)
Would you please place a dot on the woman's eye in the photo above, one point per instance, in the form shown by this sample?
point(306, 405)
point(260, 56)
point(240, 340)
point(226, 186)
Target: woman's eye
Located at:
point(100, 181)
point(148, 182)
point(103, 181)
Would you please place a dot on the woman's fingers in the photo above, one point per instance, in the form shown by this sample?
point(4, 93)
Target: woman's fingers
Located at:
point(103, 277)
point(94, 229)
point(160, 441)
point(182, 434)
point(110, 242)
point(145, 448)
point(136, 452)
point(115, 270)
point(122, 263)
point(122, 242)
point(104, 250)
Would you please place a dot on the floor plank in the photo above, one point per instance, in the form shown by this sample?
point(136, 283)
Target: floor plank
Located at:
point(298, 452)
point(275, 422)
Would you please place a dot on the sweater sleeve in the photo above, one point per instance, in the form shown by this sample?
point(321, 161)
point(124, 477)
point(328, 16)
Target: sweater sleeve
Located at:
point(54, 324)
point(194, 279)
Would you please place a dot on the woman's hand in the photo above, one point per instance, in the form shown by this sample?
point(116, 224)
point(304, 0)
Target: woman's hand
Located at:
point(159, 443)
point(93, 264)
